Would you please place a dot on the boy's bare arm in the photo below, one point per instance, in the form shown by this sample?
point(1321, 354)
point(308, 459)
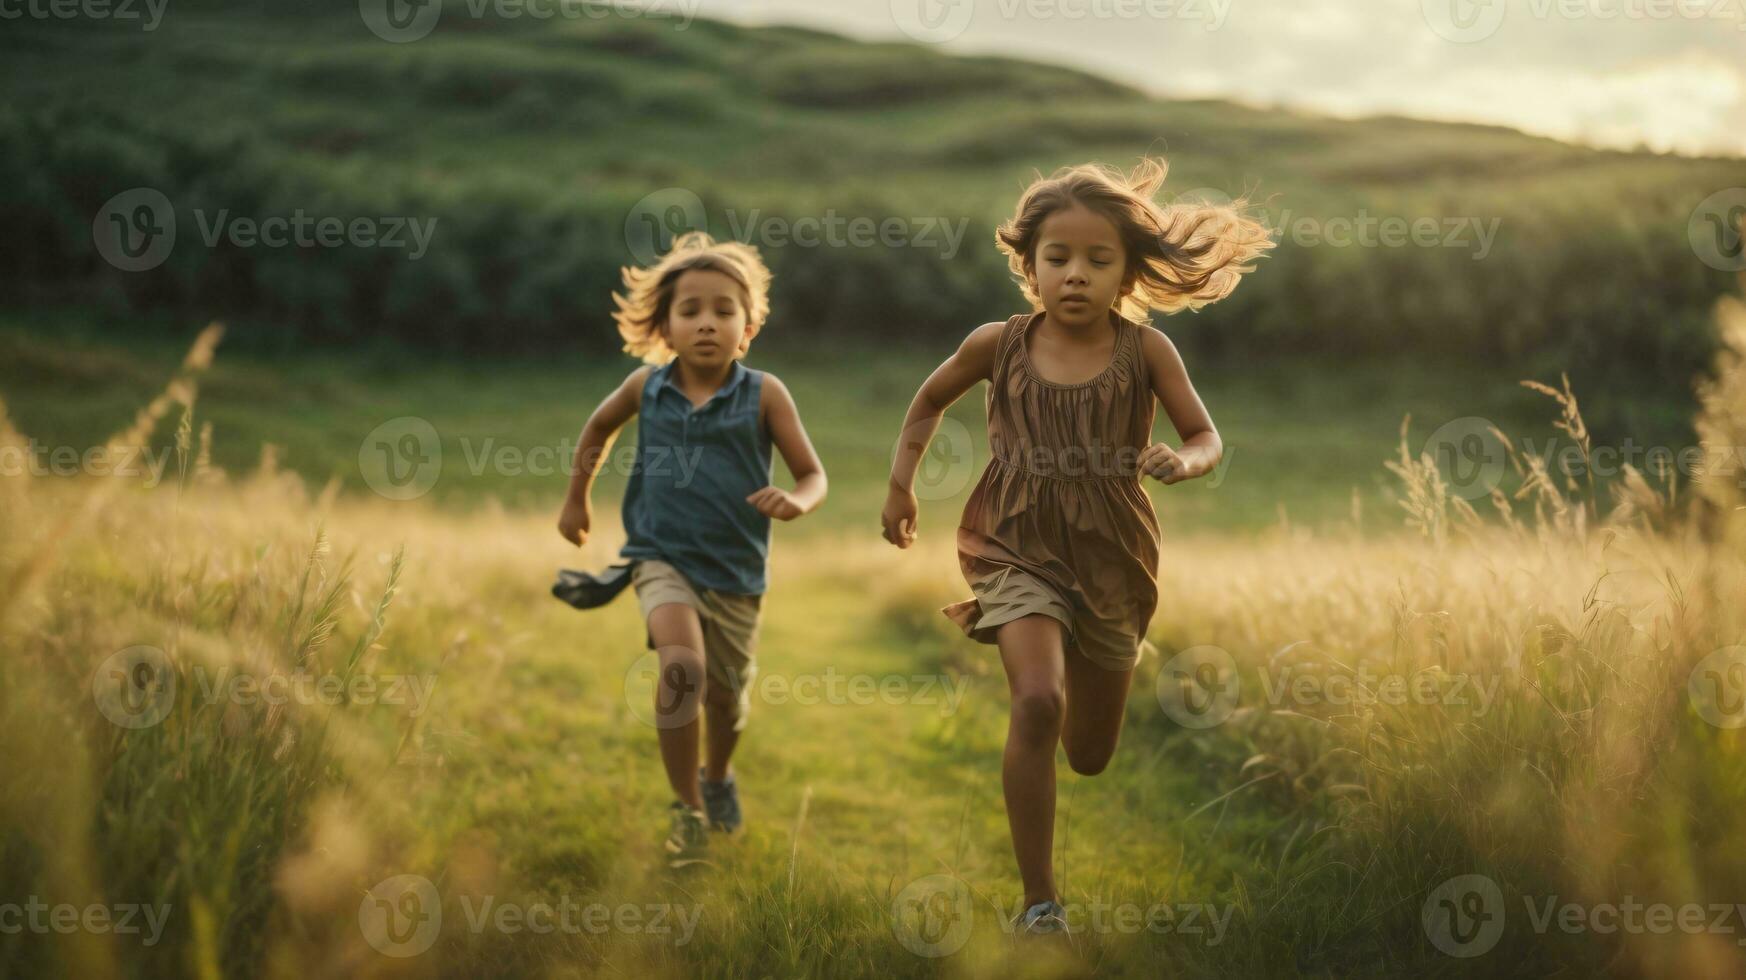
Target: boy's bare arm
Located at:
point(782, 418)
point(1201, 446)
point(597, 436)
point(973, 362)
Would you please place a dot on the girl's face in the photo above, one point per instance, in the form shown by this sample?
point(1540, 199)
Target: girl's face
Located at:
point(706, 325)
point(1079, 266)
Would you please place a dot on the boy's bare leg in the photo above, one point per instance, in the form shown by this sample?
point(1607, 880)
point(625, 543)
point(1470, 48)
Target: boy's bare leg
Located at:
point(1032, 650)
point(679, 695)
point(719, 706)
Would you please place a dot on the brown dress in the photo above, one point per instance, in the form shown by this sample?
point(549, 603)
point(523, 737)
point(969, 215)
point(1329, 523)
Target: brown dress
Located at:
point(1059, 523)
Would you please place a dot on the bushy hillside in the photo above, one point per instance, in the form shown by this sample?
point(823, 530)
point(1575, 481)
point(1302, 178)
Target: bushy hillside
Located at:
point(540, 155)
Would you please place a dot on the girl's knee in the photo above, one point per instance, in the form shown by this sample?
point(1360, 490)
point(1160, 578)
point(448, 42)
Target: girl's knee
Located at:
point(1088, 760)
point(1036, 712)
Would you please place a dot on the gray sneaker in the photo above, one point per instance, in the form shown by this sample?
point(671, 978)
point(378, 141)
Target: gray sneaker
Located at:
point(1041, 919)
point(688, 842)
point(722, 800)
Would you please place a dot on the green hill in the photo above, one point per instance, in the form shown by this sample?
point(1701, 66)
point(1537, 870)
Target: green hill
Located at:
point(530, 150)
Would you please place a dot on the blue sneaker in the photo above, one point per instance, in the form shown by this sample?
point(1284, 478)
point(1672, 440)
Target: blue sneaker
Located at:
point(722, 800)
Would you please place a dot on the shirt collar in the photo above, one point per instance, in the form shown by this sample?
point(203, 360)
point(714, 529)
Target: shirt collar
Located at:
point(736, 374)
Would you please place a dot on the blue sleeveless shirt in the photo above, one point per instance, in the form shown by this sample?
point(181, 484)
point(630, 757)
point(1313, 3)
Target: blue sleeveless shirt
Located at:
point(685, 502)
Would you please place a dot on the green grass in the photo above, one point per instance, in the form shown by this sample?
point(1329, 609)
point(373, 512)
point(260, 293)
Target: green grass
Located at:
point(1302, 436)
point(1316, 831)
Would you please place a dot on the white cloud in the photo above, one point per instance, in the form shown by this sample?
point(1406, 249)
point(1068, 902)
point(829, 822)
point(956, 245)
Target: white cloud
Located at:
point(1667, 73)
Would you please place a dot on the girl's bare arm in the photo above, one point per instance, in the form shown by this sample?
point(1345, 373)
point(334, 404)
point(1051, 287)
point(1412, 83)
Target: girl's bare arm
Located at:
point(789, 436)
point(1201, 446)
point(973, 362)
point(597, 436)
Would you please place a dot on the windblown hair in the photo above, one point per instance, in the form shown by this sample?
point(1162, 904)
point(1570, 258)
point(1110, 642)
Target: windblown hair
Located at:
point(1180, 256)
point(648, 300)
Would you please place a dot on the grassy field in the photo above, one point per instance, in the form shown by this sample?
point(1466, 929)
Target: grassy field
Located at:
point(499, 756)
point(1304, 435)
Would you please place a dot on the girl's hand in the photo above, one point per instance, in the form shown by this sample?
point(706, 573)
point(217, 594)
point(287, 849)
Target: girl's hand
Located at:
point(897, 520)
point(1162, 463)
point(775, 503)
point(575, 521)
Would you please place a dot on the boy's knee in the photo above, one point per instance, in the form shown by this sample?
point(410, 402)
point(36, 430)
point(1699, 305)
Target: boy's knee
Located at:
point(1036, 714)
point(680, 685)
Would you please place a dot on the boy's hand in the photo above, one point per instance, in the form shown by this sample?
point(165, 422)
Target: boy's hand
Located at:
point(775, 503)
point(1162, 463)
point(574, 522)
point(897, 520)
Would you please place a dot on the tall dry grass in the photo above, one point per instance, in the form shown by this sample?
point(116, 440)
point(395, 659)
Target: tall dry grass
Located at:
point(1586, 770)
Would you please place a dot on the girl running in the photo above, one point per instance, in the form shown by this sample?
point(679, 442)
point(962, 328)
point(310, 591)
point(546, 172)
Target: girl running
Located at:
point(1058, 540)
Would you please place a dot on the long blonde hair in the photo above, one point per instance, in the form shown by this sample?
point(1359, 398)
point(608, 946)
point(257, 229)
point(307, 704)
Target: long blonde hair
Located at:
point(648, 299)
point(1180, 256)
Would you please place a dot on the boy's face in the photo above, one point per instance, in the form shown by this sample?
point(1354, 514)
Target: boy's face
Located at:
point(706, 326)
point(1079, 265)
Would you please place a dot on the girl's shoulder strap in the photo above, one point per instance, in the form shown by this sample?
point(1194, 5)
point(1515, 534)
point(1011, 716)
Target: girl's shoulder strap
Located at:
point(1010, 338)
point(1134, 345)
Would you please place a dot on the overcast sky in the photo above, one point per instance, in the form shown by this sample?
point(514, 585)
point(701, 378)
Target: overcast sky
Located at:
point(1667, 73)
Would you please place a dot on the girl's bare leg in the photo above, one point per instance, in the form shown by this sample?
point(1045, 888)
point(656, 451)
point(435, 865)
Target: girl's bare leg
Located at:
point(679, 694)
point(1097, 700)
point(1031, 648)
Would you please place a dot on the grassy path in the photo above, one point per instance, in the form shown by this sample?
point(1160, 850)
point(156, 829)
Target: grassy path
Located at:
point(871, 763)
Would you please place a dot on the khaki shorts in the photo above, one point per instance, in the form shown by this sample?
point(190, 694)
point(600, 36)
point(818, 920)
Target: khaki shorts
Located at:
point(730, 627)
point(1012, 593)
